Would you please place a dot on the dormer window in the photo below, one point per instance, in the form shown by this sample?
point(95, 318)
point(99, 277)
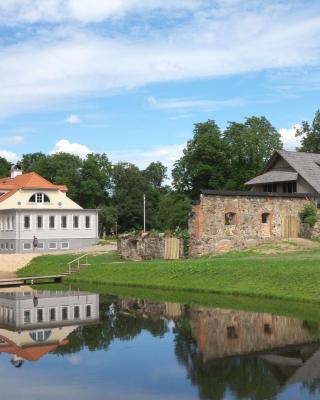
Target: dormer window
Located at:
point(39, 198)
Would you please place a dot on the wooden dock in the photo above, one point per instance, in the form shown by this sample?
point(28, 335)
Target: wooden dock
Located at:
point(30, 280)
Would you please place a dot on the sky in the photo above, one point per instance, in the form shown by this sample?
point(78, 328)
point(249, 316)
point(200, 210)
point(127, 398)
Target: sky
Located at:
point(131, 77)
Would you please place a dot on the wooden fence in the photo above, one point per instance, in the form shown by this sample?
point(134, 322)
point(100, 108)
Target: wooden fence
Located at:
point(171, 249)
point(290, 226)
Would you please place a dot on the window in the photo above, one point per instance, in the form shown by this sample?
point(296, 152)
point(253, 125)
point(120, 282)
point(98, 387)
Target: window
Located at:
point(270, 188)
point(13, 221)
point(26, 222)
point(75, 222)
point(7, 246)
point(52, 245)
point(39, 315)
point(52, 222)
point(11, 246)
point(231, 332)
point(39, 222)
point(267, 329)
point(265, 218)
point(27, 317)
point(88, 311)
point(64, 245)
point(8, 223)
point(64, 222)
point(76, 312)
point(41, 245)
point(52, 314)
point(289, 187)
point(26, 246)
point(2, 246)
point(64, 313)
point(39, 198)
point(88, 222)
point(230, 218)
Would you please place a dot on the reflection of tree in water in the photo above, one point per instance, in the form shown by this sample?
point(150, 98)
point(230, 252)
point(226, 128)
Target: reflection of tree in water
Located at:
point(246, 377)
point(114, 324)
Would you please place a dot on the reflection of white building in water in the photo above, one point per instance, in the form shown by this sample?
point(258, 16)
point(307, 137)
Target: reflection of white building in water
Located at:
point(35, 323)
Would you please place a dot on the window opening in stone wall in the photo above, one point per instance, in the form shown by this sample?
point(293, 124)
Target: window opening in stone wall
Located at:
point(265, 218)
point(267, 329)
point(230, 218)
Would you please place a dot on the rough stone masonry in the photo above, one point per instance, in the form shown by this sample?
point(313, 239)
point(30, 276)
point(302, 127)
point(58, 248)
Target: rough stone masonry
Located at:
point(224, 221)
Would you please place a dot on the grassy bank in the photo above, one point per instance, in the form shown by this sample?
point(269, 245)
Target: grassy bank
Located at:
point(290, 276)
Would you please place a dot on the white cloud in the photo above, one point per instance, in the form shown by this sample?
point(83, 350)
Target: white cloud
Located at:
point(84, 11)
point(167, 155)
point(12, 140)
point(73, 119)
point(187, 103)
point(66, 63)
point(64, 146)
point(9, 156)
point(290, 141)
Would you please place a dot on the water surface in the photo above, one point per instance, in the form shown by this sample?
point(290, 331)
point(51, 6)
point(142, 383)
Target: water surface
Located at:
point(79, 345)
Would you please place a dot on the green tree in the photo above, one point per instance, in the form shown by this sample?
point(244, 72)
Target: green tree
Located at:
point(249, 146)
point(174, 210)
point(310, 135)
point(204, 164)
point(95, 181)
point(31, 162)
point(156, 174)
point(5, 167)
point(108, 220)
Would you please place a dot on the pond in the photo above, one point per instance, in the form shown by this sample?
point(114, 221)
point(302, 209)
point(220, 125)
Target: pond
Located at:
point(81, 345)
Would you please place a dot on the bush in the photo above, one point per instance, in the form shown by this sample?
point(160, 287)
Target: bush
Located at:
point(309, 214)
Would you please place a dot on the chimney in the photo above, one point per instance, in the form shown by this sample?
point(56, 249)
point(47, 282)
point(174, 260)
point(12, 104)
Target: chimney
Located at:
point(16, 171)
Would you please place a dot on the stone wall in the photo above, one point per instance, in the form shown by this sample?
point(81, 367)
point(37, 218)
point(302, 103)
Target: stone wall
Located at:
point(224, 222)
point(143, 247)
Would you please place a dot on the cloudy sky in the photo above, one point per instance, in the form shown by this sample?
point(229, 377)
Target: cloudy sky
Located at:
point(130, 77)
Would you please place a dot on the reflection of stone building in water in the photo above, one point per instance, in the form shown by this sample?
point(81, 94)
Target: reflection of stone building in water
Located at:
point(151, 308)
point(33, 324)
point(221, 333)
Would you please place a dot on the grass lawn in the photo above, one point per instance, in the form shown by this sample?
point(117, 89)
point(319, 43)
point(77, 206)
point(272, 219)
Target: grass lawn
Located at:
point(290, 276)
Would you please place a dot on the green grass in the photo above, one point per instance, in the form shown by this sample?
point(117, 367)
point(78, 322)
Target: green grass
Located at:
point(290, 276)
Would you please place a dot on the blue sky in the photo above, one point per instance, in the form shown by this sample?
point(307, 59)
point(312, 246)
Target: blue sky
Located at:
point(131, 77)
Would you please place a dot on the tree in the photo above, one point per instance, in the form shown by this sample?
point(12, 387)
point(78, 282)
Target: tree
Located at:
point(108, 220)
point(5, 167)
point(249, 146)
point(95, 181)
point(204, 164)
point(310, 135)
point(174, 210)
point(156, 174)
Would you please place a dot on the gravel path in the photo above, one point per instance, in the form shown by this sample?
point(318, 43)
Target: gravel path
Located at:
point(10, 263)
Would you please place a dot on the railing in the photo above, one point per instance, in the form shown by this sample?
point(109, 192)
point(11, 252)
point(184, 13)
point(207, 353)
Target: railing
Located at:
point(77, 263)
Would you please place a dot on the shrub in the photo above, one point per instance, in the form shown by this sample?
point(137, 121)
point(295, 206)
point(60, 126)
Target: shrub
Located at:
point(309, 214)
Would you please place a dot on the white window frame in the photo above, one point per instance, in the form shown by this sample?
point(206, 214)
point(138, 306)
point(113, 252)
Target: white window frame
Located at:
point(68, 313)
point(42, 218)
point(56, 314)
point(52, 248)
point(64, 248)
point(43, 315)
point(30, 317)
point(66, 217)
point(37, 197)
point(27, 248)
point(73, 217)
point(41, 245)
point(91, 308)
point(73, 317)
point(90, 222)
point(55, 222)
point(24, 220)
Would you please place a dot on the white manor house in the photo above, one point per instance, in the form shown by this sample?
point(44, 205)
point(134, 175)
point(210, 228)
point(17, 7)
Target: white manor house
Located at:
point(31, 206)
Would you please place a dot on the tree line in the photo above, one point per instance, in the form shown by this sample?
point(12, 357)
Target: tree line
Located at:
point(212, 159)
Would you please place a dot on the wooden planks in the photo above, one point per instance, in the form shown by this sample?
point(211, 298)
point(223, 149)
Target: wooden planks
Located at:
point(290, 226)
point(31, 280)
point(172, 249)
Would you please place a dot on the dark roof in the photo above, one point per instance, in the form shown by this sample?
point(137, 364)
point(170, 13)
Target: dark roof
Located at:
point(274, 176)
point(256, 194)
point(306, 164)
